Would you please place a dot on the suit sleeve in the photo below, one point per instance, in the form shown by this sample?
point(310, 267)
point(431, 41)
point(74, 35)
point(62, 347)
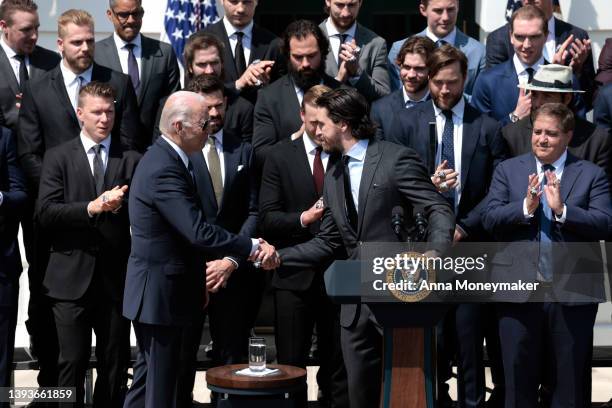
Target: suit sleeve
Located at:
point(130, 132)
point(376, 84)
point(30, 143)
point(602, 109)
point(376, 117)
point(264, 131)
point(496, 48)
point(15, 196)
point(482, 97)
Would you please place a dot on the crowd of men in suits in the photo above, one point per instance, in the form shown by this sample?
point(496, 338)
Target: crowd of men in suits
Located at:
point(141, 201)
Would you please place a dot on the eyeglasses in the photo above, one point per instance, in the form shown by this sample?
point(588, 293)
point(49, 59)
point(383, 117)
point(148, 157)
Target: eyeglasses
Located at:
point(123, 16)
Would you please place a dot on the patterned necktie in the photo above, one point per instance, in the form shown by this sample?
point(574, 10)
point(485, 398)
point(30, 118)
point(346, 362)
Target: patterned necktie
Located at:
point(529, 74)
point(98, 169)
point(448, 150)
point(318, 173)
point(23, 70)
point(133, 67)
point(545, 264)
point(343, 38)
point(440, 43)
point(214, 169)
point(239, 57)
point(351, 209)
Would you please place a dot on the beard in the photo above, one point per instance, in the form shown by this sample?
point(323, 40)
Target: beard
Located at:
point(307, 78)
point(418, 87)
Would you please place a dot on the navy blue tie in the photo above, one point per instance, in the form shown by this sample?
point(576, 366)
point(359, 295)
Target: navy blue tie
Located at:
point(448, 151)
point(133, 67)
point(545, 265)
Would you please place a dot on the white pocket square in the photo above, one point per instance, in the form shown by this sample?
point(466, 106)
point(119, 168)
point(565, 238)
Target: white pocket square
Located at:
point(240, 167)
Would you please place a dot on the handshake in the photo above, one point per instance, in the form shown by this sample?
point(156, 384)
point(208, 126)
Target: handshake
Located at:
point(265, 256)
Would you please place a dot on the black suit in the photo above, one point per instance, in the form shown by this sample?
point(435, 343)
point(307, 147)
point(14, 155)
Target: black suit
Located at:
point(264, 46)
point(13, 189)
point(288, 189)
point(499, 49)
point(159, 76)
point(165, 282)
point(602, 108)
point(86, 269)
point(277, 114)
point(41, 61)
point(392, 175)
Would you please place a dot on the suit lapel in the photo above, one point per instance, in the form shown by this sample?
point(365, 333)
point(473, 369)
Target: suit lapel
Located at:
point(290, 99)
point(571, 172)
point(303, 166)
point(258, 48)
point(229, 64)
point(82, 170)
point(206, 192)
point(330, 62)
point(469, 139)
point(60, 90)
point(110, 54)
point(370, 164)
point(149, 52)
point(112, 166)
point(231, 157)
point(7, 72)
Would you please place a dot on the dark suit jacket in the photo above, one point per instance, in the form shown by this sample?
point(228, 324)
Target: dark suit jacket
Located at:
point(13, 188)
point(79, 242)
point(392, 175)
point(41, 61)
point(264, 46)
point(589, 142)
point(159, 78)
point(277, 114)
point(499, 50)
point(585, 192)
point(602, 108)
point(287, 190)
point(482, 149)
point(170, 239)
point(385, 109)
point(47, 119)
point(604, 68)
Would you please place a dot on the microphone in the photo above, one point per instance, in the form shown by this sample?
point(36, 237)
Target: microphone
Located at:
point(397, 220)
point(421, 224)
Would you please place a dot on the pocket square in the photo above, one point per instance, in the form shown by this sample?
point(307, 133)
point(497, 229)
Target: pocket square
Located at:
point(240, 167)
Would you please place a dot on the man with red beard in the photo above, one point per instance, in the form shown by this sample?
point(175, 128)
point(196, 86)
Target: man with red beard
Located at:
point(412, 63)
point(277, 111)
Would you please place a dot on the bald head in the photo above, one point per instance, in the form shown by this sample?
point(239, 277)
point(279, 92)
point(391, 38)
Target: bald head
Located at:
point(182, 120)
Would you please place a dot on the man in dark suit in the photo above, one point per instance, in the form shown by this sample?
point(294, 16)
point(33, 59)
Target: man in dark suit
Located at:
point(466, 147)
point(291, 207)
point(165, 287)
point(500, 48)
point(277, 111)
point(227, 189)
point(535, 200)
point(12, 199)
point(250, 51)
point(82, 187)
point(604, 65)
point(602, 108)
point(19, 23)
point(412, 63)
point(359, 192)
point(554, 85)
point(357, 56)
point(151, 64)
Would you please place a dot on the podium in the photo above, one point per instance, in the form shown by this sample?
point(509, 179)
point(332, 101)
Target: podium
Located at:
point(409, 377)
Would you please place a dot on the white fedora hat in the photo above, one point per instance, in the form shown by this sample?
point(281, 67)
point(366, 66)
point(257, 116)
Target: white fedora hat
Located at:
point(551, 78)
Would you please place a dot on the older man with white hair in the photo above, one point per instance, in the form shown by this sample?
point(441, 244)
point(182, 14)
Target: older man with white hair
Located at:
point(171, 241)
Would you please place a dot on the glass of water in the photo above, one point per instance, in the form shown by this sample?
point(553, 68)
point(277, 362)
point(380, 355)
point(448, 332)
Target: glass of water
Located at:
point(257, 353)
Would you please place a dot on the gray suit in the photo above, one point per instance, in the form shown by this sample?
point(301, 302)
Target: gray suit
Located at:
point(373, 83)
point(392, 175)
point(160, 76)
point(473, 50)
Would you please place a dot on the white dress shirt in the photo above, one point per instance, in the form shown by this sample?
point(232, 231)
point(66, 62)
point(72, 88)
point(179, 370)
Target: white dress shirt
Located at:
point(124, 52)
point(334, 36)
point(521, 69)
point(551, 44)
point(450, 38)
point(247, 39)
point(88, 145)
point(311, 151)
point(357, 155)
point(219, 146)
point(71, 82)
point(458, 111)
point(559, 166)
point(15, 62)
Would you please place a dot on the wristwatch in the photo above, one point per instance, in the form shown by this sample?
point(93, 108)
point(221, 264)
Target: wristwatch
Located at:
point(513, 118)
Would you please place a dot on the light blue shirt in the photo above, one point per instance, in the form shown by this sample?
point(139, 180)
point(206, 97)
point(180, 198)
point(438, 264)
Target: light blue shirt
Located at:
point(357, 155)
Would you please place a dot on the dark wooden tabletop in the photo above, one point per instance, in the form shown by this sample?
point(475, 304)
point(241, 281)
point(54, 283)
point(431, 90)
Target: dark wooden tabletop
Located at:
point(225, 377)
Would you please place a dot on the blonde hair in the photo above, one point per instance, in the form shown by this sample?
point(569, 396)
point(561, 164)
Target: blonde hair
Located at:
point(77, 17)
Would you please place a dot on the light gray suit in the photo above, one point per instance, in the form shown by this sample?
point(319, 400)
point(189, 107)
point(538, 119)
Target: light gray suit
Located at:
point(474, 51)
point(373, 83)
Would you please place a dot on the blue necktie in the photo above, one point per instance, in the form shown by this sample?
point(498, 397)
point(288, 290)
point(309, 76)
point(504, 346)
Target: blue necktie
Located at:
point(133, 67)
point(448, 151)
point(545, 262)
point(440, 43)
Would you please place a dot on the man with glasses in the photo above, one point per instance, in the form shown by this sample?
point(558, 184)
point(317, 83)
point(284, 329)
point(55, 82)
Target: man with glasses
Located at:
point(151, 64)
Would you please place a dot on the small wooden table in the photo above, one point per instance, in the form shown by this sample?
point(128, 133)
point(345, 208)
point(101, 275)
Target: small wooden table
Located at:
point(271, 391)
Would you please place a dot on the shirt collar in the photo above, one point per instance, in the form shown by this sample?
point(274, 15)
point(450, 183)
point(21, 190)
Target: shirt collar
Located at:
point(10, 53)
point(177, 149)
point(70, 77)
point(88, 143)
point(308, 143)
point(333, 31)
point(551, 26)
point(519, 67)
point(358, 151)
point(231, 30)
point(557, 164)
point(120, 43)
point(457, 110)
point(450, 38)
point(407, 97)
point(219, 137)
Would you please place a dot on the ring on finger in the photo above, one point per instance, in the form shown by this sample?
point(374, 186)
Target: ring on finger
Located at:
point(443, 186)
point(533, 191)
point(442, 175)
